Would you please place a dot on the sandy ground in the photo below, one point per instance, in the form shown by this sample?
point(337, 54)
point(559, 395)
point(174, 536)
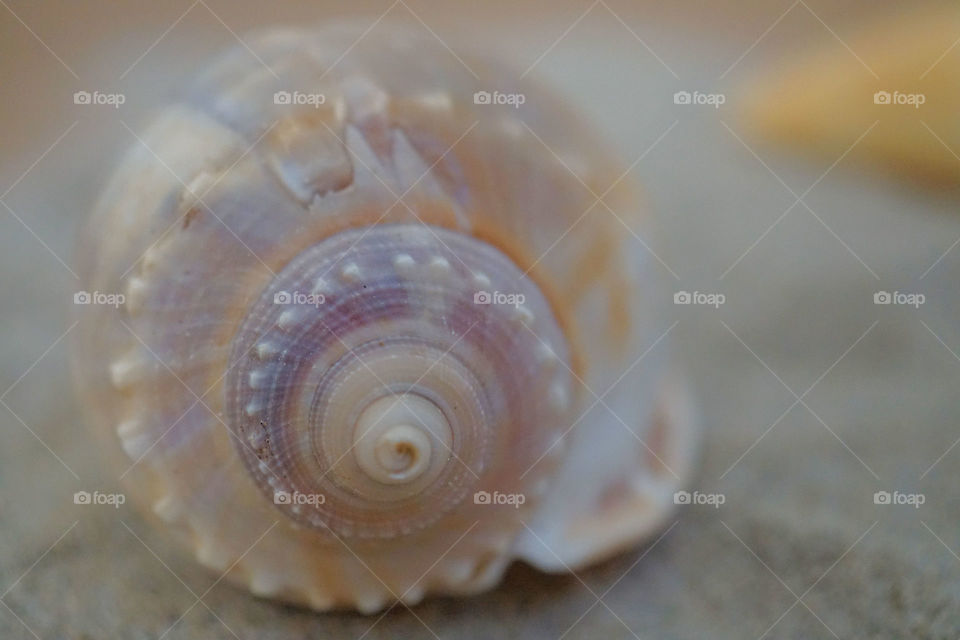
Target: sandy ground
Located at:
point(813, 397)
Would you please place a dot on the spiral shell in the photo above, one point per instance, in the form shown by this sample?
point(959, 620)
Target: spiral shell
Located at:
point(379, 343)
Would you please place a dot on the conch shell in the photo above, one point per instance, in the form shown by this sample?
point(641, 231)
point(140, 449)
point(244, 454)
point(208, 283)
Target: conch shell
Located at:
point(378, 340)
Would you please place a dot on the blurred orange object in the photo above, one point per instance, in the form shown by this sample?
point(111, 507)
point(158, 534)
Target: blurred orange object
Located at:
point(891, 97)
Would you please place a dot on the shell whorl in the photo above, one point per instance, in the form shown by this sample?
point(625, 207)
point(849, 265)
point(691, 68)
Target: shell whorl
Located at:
point(374, 379)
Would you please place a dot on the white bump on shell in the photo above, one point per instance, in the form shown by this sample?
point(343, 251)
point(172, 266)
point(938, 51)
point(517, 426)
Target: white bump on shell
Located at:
point(287, 319)
point(198, 187)
point(265, 350)
point(167, 508)
point(128, 428)
point(522, 314)
point(136, 290)
point(370, 603)
point(257, 378)
point(256, 440)
point(350, 272)
point(403, 263)
point(460, 570)
point(548, 357)
point(439, 266)
point(481, 280)
point(320, 286)
point(136, 446)
point(211, 554)
point(150, 257)
point(264, 583)
point(124, 371)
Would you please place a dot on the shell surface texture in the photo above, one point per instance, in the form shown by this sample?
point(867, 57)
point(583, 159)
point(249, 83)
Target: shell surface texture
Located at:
point(378, 341)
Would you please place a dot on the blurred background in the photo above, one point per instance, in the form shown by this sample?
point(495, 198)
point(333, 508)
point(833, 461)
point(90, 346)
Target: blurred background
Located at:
point(799, 158)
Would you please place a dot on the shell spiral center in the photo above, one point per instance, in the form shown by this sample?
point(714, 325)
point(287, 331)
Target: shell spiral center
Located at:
point(388, 373)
